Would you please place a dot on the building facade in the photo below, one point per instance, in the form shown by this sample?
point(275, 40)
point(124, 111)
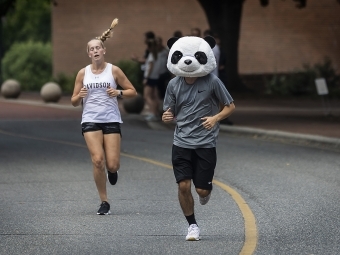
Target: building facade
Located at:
point(277, 38)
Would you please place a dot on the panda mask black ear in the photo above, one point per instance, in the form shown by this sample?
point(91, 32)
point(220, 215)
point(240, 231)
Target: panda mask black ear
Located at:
point(210, 40)
point(171, 41)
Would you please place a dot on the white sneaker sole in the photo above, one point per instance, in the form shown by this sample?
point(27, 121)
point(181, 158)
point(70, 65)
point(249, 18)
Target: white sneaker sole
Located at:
point(192, 238)
point(108, 213)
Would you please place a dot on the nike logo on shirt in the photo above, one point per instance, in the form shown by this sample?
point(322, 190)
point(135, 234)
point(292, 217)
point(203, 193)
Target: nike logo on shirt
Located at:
point(200, 91)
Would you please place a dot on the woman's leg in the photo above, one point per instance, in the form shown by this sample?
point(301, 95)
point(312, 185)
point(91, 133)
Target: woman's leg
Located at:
point(148, 96)
point(95, 141)
point(156, 100)
point(112, 151)
point(151, 99)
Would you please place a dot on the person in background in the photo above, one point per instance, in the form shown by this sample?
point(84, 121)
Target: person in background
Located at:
point(195, 32)
point(96, 89)
point(219, 71)
point(150, 81)
point(216, 50)
point(149, 35)
point(178, 34)
point(164, 74)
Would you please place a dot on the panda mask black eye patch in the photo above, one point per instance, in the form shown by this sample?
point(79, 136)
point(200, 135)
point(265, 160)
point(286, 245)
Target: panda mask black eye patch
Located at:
point(176, 56)
point(201, 57)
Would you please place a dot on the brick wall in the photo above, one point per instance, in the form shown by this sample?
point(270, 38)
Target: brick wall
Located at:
point(278, 38)
point(281, 37)
point(74, 23)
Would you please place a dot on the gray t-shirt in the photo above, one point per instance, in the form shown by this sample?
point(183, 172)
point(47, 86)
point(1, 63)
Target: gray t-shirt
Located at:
point(191, 102)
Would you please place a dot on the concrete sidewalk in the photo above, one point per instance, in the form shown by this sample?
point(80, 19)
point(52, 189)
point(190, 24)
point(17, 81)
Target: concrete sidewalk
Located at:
point(297, 120)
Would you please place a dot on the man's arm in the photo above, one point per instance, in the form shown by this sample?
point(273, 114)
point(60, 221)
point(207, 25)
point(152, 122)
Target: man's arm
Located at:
point(210, 122)
point(227, 110)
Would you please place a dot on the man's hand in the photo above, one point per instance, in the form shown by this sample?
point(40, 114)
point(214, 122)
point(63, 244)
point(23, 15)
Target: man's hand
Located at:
point(167, 116)
point(209, 122)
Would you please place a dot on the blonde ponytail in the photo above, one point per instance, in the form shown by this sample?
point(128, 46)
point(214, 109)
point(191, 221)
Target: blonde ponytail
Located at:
point(108, 33)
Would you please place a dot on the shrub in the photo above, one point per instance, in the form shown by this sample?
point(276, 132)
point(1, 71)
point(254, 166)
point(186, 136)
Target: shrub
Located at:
point(327, 71)
point(302, 82)
point(30, 63)
point(133, 73)
point(66, 82)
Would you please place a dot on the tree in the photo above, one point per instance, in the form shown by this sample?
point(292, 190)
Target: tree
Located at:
point(28, 21)
point(5, 6)
point(224, 18)
point(23, 21)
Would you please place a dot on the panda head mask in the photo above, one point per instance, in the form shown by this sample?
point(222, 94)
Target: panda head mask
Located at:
point(191, 56)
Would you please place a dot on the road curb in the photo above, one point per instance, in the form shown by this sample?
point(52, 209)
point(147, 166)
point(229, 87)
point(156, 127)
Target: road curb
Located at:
point(296, 138)
point(41, 103)
point(287, 137)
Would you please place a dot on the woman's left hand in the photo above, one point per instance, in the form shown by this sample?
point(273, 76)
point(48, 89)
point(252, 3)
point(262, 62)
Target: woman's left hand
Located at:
point(113, 92)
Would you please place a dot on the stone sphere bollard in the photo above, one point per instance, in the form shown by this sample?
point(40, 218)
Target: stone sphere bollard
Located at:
point(10, 89)
point(134, 104)
point(50, 92)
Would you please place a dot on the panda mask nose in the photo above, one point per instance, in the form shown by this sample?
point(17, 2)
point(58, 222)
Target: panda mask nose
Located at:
point(188, 61)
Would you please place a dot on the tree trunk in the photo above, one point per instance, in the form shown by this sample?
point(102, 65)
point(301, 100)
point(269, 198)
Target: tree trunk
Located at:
point(1, 50)
point(5, 6)
point(224, 17)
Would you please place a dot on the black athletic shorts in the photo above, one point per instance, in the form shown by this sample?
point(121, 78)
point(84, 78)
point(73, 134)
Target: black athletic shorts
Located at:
point(107, 128)
point(152, 82)
point(196, 164)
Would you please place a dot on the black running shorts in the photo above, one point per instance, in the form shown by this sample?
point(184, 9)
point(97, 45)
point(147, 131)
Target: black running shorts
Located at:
point(152, 82)
point(196, 164)
point(107, 128)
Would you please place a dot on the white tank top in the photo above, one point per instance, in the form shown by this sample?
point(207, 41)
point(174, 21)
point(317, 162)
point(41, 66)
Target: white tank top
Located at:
point(98, 107)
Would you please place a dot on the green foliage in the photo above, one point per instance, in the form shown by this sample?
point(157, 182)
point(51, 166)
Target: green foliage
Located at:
point(27, 21)
point(30, 63)
point(66, 82)
point(133, 73)
point(302, 82)
point(327, 71)
point(5, 6)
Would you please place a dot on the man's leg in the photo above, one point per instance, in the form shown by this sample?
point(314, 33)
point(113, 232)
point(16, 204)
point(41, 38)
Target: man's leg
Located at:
point(205, 163)
point(203, 192)
point(187, 204)
point(204, 195)
point(181, 161)
point(185, 198)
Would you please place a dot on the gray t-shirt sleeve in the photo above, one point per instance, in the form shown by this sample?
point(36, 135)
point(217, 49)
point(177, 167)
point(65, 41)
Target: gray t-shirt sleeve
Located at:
point(221, 92)
point(169, 98)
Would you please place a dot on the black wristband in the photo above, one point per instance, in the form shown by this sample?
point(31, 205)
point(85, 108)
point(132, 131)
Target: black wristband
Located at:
point(120, 94)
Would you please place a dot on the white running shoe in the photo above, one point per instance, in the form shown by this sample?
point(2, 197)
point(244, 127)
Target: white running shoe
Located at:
point(204, 200)
point(193, 233)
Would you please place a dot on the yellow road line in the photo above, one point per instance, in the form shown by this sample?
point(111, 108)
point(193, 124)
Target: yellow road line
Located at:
point(250, 233)
point(250, 229)
point(147, 160)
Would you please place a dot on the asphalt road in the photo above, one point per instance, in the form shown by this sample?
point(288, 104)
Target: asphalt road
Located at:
point(271, 197)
